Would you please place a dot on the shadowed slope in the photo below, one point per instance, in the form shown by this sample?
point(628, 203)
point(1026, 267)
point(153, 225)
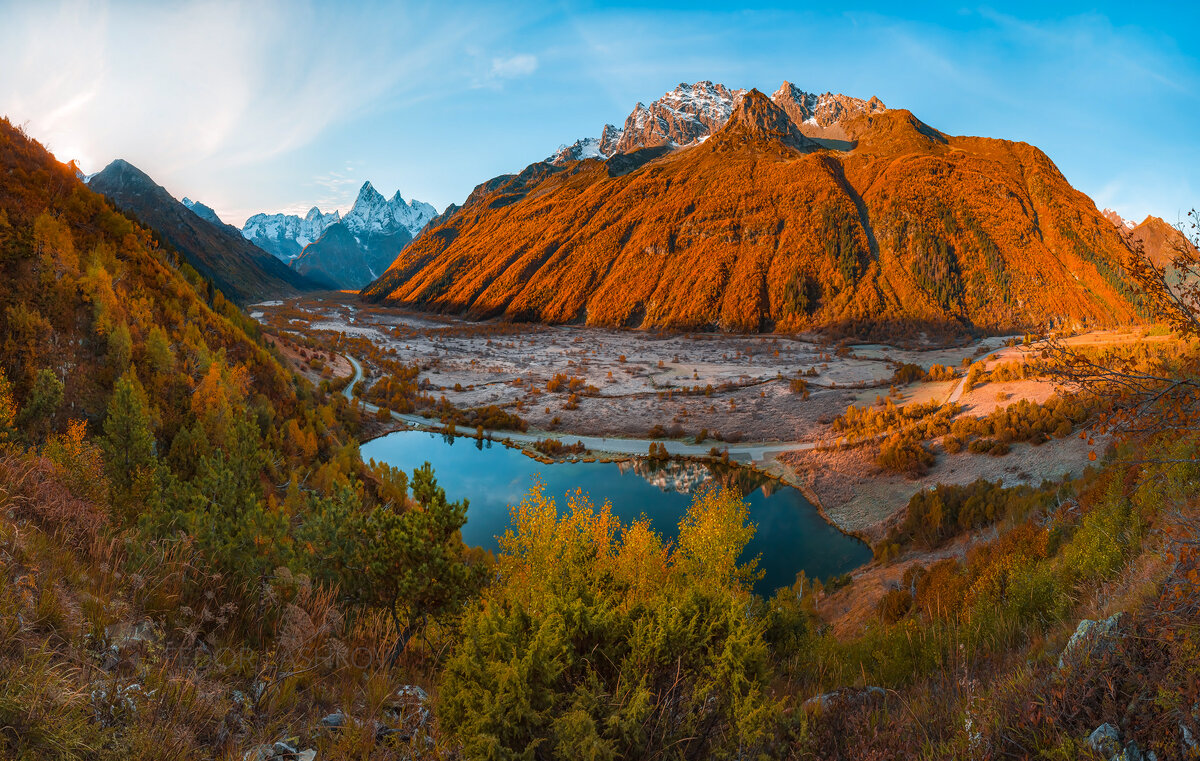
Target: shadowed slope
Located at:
point(242, 270)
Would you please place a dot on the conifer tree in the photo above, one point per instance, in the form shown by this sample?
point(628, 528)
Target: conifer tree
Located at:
point(128, 440)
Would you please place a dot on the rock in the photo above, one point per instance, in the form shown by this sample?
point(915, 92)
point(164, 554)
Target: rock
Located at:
point(306, 755)
point(335, 720)
point(847, 696)
point(283, 749)
point(1131, 753)
point(408, 712)
point(259, 753)
point(1106, 741)
point(1092, 639)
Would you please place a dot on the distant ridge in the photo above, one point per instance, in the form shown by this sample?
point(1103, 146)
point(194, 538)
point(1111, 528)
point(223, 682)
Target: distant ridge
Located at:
point(1160, 240)
point(244, 272)
point(346, 252)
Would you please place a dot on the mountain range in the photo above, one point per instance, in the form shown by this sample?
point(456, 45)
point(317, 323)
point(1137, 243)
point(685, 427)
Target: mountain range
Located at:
point(343, 252)
point(243, 272)
point(715, 208)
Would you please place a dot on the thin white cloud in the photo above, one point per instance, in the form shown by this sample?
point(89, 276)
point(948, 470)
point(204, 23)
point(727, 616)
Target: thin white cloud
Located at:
point(212, 84)
point(520, 65)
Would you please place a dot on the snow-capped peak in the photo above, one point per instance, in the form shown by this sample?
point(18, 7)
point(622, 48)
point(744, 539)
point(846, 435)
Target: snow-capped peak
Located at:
point(285, 235)
point(202, 211)
point(372, 213)
point(1118, 220)
point(688, 114)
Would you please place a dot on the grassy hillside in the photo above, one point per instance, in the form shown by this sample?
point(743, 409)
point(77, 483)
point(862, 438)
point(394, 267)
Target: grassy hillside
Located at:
point(183, 521)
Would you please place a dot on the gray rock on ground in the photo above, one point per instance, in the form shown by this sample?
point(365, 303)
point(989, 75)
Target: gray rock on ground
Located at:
point(1092, 639)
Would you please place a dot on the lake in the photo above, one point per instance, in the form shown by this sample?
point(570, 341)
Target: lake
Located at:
point(791, 535)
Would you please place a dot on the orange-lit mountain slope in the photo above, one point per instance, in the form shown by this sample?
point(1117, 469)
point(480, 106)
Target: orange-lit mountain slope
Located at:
point(1160, 240)
point(759, 227)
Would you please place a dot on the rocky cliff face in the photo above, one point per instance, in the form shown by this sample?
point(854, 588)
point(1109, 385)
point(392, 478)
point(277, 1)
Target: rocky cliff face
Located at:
point(682, 116)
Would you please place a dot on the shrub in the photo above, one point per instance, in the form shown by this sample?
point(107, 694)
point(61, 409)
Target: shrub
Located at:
point(903, 454)
point(938, 373)
point(894, 605)
point(908, 373)
point(590, 634)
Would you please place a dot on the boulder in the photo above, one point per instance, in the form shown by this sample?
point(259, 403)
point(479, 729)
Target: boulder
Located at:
point(844, 696)
point(1092, 639)
point(336, 720)
point(259, 753)
point(407, 712)
point(1106, 741)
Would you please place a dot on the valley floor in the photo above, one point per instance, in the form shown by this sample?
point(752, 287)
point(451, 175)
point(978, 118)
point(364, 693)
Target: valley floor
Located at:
point(735, 390)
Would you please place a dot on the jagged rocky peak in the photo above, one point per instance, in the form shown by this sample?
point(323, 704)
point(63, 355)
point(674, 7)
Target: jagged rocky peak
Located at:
point(692, 112)
point(684, 115)
point(1118, 220)
point(758, 118)
point(372, 213)
point(822, 111)
point(201, 210)
point(286, 235)
point(589, 147)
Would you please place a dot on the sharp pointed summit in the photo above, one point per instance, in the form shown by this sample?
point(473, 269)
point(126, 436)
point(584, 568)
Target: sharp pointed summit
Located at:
point(343, 251)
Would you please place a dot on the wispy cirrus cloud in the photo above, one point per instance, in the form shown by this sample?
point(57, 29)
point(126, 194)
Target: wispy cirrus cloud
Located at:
point(520, 65)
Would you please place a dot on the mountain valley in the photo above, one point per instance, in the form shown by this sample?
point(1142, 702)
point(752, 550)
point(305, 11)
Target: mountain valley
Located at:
point(759, 426)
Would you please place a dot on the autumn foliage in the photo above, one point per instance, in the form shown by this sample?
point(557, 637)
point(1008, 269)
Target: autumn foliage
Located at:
point(755, 229)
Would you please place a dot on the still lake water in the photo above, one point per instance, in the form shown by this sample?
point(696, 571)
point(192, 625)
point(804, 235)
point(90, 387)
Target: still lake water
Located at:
point(791, 535)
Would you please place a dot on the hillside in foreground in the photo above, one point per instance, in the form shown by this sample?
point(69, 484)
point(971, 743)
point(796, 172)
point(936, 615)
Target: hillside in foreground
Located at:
point(766, 224)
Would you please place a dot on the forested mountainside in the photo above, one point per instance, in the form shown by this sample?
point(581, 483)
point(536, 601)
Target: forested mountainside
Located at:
point(760, 227)
point(173, 500)
point(243, 271)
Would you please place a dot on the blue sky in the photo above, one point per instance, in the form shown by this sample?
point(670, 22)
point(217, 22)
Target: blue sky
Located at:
point(278, 106)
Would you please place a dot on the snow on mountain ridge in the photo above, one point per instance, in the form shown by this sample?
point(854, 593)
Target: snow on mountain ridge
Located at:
point(201, 210)
point(589, 147)
point(372, 213)
point(688, 114)
point(285, 235)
